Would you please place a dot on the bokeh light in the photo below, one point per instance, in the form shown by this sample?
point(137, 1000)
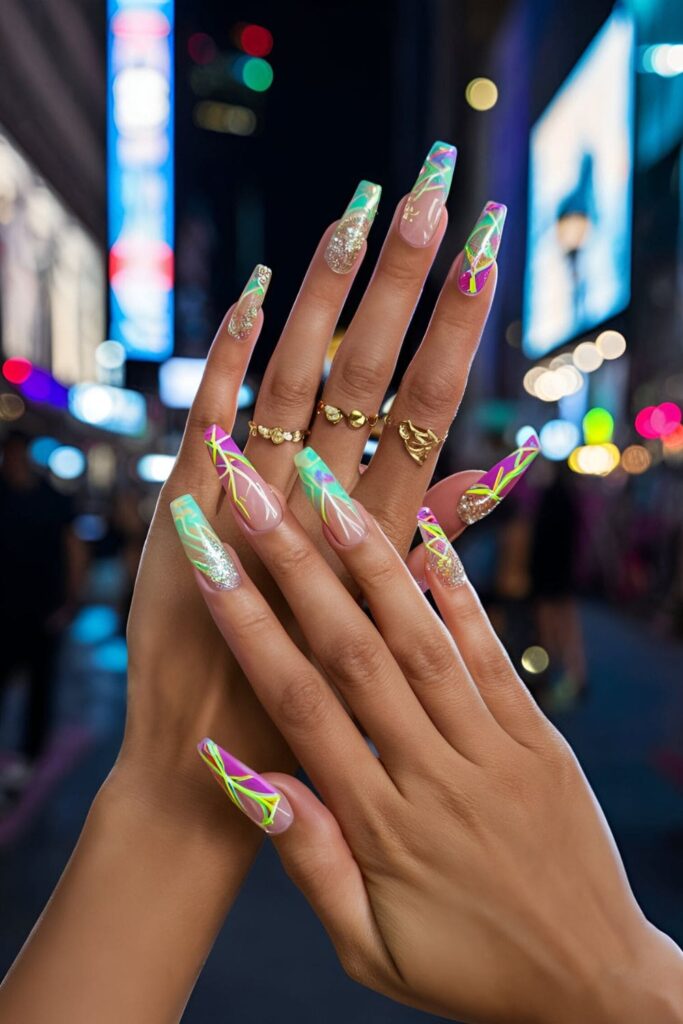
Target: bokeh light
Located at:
point(636, 459)
point(610, 344)
point(41, 448)
point(16, 370)
point(227, 118)
point(535, 659)
point(94, 623)
point(155, 468)
point(558, 439)
point(673, 442)
point(201, 48)
point(254, 72)
point(481, 94)
point(595, 459)
point(658, 420)
point(522, 435)
point(110, 355)
point(587, 357)
point(11, 408)
point(256, 40)
point(67, 462)
point(598, 426)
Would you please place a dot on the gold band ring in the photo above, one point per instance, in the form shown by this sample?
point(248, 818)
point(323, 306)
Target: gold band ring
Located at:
point(355, 419)
point(276, 435)
point(418, 441)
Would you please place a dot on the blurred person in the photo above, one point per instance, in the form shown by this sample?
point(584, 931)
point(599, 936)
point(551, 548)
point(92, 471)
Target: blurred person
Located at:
point(553, 556)
point(42, 566)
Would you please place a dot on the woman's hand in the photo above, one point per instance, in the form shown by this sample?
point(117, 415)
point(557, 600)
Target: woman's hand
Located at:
point(467, 869)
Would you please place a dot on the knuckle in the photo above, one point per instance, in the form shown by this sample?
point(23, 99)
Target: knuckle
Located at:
point(428, 393)
point(354, 660)
point(428, 663)
point(303, 702)
point(379, 573)
point(293, 560)
point(249, 625)
point(286, 390)
point(400, 273)
point(360, 376)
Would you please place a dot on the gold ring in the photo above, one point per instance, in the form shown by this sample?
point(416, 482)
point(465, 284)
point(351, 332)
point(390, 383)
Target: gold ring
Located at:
point(276, 435)
point(355, 419)
point(418, 441)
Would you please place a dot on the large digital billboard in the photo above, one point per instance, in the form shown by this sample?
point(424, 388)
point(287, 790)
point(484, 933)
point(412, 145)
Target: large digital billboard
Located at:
point(578, 264)
point(140, 176)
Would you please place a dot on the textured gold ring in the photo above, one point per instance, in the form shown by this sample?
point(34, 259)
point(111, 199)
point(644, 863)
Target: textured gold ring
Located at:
point(354, 419)
point(418, 441)
point(276, 435)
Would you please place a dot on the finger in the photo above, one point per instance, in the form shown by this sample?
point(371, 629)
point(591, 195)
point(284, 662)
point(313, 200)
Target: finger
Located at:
point(432, 388)
point(414, 635)
point(486, 659)
point(318, 730)
point(226, 366)
point(456, 506)
point(346, 645)
point(290, 384)
point(366, 359)
point(442, 498)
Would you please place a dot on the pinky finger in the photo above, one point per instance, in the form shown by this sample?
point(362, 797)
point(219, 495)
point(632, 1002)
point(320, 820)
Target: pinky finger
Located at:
point(487, 661)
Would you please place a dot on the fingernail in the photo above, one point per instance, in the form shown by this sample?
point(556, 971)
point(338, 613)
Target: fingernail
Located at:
point(249, 493)
point(346, 243)
point(202, 545)
point(266, 806)
point(440, 553)
point(329, 499)
point(481, 248)
point(482, 497)
point(244, 314)
point(422, 210)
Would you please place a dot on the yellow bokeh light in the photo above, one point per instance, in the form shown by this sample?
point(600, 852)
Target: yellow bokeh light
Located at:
point(535, 659)
point(595, 459)
point(610, 344)
point(636, 459)
point(481, 94)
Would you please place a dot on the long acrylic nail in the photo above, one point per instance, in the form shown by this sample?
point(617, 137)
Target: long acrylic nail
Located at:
point(439, 552)
point(244, 314)
point(347, 240)
point(329, 499)
point(481, 249)
point(422, 210)
point(266, 806)
point(250, 494)
point(481, 498)
point(202, 545)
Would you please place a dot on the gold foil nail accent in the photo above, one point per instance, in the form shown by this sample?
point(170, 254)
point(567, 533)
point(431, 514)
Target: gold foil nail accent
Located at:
point(347, 240)
point(244, 315)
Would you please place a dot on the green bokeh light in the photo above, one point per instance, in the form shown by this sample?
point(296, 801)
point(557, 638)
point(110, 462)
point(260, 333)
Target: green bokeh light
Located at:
point(598, 426)
point(257, 74)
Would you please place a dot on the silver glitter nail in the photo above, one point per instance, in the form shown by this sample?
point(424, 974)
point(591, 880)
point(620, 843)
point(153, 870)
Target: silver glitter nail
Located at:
point(347, 240)
point(202, 545)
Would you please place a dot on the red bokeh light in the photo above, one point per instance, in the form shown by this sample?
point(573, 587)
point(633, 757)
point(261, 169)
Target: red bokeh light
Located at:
point(17, 370)
point(256, 40)
point(673, 442)
point(643, 422)
point(201, 48)
point(658, 420)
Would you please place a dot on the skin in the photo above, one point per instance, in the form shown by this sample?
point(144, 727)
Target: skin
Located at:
point(468, 870)
point(111, 945)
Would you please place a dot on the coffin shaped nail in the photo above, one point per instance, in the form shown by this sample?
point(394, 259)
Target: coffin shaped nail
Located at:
point(481, 498)
point(244, 314)
point(422, 210)
point(249, 493)
point(250, 792)
point(481, 249)
point(202, 545)
point(344, 247)
point(439, 552)
point(336, 509)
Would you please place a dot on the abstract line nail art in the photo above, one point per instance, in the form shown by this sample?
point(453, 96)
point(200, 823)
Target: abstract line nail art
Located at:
point(440, 553)
point(250, 495)
point(202, 545)
point(481, 248)
point(422, 210)
point(265, 805)
point(329, 499)
point(346, 243)
point(244, 314)
point(481, 498)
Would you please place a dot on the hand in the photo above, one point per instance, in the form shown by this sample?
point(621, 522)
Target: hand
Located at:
point(468, 869)
point(183, 682)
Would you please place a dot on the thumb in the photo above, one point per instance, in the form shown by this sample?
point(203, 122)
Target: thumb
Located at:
point(317, 858)
point(443, 499)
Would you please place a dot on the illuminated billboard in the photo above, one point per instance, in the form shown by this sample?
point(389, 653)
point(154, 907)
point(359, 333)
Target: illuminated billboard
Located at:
point(140, 176)
point(578, 265)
